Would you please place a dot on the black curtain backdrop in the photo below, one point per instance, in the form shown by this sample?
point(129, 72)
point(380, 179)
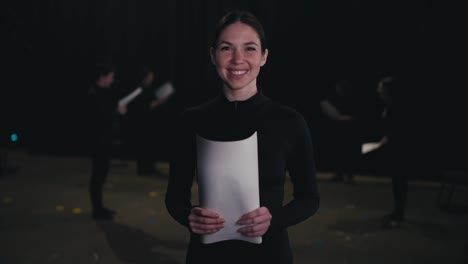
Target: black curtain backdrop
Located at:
point(50, 49)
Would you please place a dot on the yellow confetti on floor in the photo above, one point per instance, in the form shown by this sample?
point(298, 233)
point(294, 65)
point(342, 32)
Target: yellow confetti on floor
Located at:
point(7, 200)
point(153, 194)
point(60, 208)
point(77, 210)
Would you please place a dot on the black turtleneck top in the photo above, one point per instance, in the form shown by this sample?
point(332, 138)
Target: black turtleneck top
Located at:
point(284, 145)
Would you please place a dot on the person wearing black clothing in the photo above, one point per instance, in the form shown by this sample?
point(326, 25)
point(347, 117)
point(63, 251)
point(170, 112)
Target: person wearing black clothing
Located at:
point(284, 144)
point(142, 127)
point(343, 114)
point(103, 112)
point(393, 157)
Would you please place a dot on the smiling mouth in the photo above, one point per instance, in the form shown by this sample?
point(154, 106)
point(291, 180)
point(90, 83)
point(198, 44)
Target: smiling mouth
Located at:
point(238, 73)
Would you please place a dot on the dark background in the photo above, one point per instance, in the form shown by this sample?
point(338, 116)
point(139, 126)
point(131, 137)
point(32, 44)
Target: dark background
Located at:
point(49, 49)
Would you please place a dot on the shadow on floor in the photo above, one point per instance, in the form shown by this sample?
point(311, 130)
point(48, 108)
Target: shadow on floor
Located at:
point(455, 209)
point(373, 224)
point(358, 226)
point(135, 246)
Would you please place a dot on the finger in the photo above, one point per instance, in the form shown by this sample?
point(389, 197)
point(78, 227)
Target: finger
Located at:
point(254, 229)
point(205, 220)
point(204, 212)
point(255, 213)
point(205, 227)
point(255, 220)
point(212, 231)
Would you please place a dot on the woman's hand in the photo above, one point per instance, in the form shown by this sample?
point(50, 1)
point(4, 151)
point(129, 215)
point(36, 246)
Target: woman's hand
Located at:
point(122, 109)
point(345, 118)
point(384, 140)
point(203, 221)
point(158, 102)
point(259, 221)
point(155, 103)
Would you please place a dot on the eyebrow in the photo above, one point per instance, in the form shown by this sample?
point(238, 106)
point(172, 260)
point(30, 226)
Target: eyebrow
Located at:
point(245, 44)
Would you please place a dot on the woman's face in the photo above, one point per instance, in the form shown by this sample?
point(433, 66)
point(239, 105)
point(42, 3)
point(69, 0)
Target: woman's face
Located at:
point(381, 90)
point(107, 80)
point(148, 80)
point(238, 57)
point(383, 93)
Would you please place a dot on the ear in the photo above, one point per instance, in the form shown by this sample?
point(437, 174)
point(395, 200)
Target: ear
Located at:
point(213, 55)
point(264, 58)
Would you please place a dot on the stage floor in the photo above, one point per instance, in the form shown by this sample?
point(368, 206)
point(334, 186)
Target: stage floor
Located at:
point(45, 218)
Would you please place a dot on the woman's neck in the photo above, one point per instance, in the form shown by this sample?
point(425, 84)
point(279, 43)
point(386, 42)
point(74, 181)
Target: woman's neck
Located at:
point(239, 95)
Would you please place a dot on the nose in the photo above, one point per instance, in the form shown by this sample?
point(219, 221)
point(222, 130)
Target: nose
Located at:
point(237, 57)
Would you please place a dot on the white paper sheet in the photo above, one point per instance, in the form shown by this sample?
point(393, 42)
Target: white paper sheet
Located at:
point(228, 183)
point(130, 97)
point(164, 91)
point(329, 109)
point(368, 147)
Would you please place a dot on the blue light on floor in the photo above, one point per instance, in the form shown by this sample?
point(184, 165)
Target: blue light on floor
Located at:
point(319, 243)
point(14, 137)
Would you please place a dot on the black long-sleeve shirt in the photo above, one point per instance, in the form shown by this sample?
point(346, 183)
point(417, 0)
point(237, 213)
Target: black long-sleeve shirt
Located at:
point(102, 107)
point(139, 110)
point(284, 144)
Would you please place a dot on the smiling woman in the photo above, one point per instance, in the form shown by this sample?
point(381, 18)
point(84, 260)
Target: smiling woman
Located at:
point(282, 143)
point(238, 56)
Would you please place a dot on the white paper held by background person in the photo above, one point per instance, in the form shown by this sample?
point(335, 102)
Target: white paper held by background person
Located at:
point(130, 97)
point(370, 146)
point(164, 91)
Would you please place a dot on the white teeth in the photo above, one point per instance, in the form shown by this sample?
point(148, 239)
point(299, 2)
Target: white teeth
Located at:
point(238, 72)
